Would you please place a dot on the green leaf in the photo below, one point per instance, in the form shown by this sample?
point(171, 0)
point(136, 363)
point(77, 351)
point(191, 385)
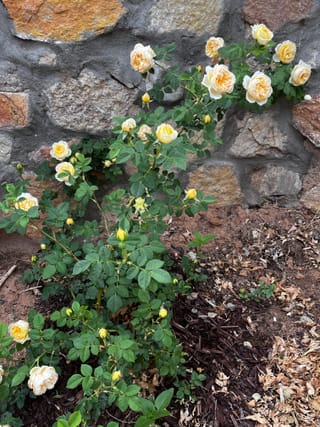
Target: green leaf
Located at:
point(38, 321)
point(154, 264)
point(122, 403)
point(161, 276)
point(74, 381)
point(48, 271)
point(164, 398)
point(144, 279)
point(114, 303)
point(132, 390)
point(113, 424)
point(20, 376)
point(86, 370)
point(81, 266)
point(62, 423)
point(75, 419)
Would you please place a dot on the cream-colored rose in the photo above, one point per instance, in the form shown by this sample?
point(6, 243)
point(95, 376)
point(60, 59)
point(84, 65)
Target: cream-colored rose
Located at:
point(26, 201)
point(219, 80)
point(141, 58)
point(285, 52)
point(261, 33)
point(212, 46)
point(65, 168)
point(300, 74)
point(166, 133)
point(128, 125)
point(19, 331)
point(1, 373)
point(258, 88)
point(60, 150)
point(41, 379)
point(143, 131)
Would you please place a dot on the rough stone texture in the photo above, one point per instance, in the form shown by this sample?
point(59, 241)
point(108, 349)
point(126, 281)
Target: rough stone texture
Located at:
point(276, 181)
point(88, 103)
point(306, 118)
point(10, 82)
point(64, 21)
point(5, 148)
point(194, 16)
point(259, 136)
point(275, 13)
point(217, 179)
point(49, 59)
point(311, 199)
point(14, 110)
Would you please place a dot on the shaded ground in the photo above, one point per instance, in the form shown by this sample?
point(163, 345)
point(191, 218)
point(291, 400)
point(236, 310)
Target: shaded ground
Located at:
point(251, 352)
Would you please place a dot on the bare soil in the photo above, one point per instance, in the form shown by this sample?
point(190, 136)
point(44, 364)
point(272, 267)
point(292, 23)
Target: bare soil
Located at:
point(260, 358)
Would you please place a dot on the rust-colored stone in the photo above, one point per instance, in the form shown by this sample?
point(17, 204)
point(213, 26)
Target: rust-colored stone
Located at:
point(63, 20)
point(306, 118)
point(14, 109)
point(275, 13)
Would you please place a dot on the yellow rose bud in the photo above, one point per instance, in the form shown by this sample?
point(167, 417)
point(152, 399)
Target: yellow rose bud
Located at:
point(116, 375)
point(43, 246)
point(300, 74)
point(199, 68)
point(19, 167)
point(107, 163)
point(128, 125)
point(73, 160)
point(218, 80)
point(285, 52)
point(114, 160)
point(19, 331)
point(213, 45)
point(191, 193)
point(163, 312)
point(258, 88)
point(145, 98)
point(69, 221)
point(103, 333)
point(34, 258)
point(175, 281)
point(68, 312)
point(207, 119)
point(166, 133)
point(261, 34)
point(121, 234)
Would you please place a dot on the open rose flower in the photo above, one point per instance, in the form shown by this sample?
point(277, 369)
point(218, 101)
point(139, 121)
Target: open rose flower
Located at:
point(285, 52)
point(64, 171)
point(60, 150)
point(258, 88)
point(261, 34)
point(300, 74)
point(219, 80)
point(140, 205)
point(141, 58)
point(143, 131)
point(212, 46)
point(166, 133)
point(41, 379)
point(26, 201)
point(128, 125)
point(19, 331)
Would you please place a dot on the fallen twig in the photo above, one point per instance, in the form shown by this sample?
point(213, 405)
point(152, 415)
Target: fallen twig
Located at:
point(30, 289)
point(8, 274)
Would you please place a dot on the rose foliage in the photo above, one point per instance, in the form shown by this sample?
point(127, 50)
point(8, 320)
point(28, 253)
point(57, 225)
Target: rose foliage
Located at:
point(101, 253)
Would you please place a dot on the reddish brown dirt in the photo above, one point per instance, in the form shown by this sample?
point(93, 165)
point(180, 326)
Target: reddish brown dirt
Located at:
point(227, 338)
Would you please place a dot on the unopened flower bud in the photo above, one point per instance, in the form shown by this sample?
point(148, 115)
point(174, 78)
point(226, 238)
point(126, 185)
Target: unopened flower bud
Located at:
point(19, 167)
point(145, 98)
point(116, 375)
point(107, 163)
point(68, 312)
point(175, 281)
point(207, 119)
point(163, 312)
point(199, 68)
point(34, 258)
point(103, 333)
point(43, 246)
point(121, 234)
point(69, 221)
point(191, 193)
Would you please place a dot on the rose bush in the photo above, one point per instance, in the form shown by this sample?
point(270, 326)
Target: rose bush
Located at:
point(101, 251)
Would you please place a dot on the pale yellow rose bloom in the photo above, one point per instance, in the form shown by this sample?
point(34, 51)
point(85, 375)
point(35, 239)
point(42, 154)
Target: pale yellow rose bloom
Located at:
point(128, 125)
point(60, 150)
point(219, 80)
point(42, 378)
point(1, 373)
point(64, 167)
point(140, 205)
point(26, 201)
point(258, 88)
point(166, 133)
point(300, 74)
point(261, 34)
point(285, 52)
point(19, 331)
point(163, 312)
point(191, 193)
point(116, 376)
point(143, 131)
point(212, 46)
point(141, 58)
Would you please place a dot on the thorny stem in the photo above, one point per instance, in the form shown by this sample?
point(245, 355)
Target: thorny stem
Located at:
point(105, 221)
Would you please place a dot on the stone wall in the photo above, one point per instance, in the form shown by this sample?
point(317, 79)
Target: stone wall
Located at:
point(65, 73)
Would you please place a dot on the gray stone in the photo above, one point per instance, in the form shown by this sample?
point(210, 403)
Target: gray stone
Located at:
point(306, 118)
point(10, 82)
point(48, 59)
point(259, 136)
point(5, 148)
point(194, 16)
point(88, 103)
point(276, 181)
point(311, 199)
